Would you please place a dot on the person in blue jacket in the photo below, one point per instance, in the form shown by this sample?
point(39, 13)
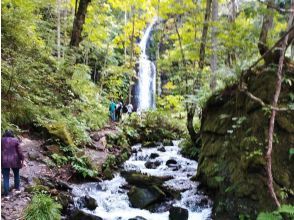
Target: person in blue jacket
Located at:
point(112, 106)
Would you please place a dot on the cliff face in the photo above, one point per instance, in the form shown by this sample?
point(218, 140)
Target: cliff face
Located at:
point(234, 134)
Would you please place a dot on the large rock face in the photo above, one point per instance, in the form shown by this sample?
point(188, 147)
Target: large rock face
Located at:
point(234, 138)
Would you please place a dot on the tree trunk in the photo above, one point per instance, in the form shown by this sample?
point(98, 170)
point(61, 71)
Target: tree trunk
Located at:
point(132, 51)
point(76, 35)
point(213, 64)
point(273, 115)
point(267, 24)
point(204, 34)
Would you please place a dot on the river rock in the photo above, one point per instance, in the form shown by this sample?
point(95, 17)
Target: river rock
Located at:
point(138, 218)
point(152, 164)
point(154, 155)
point(90, 202)
point(83, 215)
point(178, 213)
point(139, 179)
point(142, 197)
point(171, 162)
point(162, 149)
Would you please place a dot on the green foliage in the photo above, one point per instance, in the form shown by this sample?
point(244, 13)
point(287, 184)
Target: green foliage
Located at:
point(188, 149)
point(42, 207)
point(277, 215)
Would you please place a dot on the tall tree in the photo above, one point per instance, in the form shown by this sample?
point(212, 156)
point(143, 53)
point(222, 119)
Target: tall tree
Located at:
point(80, 15)
point(267, 24)
point(213, 62)
point(192, 108)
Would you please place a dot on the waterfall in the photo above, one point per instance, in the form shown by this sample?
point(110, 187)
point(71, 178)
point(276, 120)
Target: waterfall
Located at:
point(146, 87)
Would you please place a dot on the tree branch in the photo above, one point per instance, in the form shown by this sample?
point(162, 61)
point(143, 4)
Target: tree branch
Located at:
point(274, 6)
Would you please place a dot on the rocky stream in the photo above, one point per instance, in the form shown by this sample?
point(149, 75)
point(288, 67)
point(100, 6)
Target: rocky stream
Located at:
point(154, 183)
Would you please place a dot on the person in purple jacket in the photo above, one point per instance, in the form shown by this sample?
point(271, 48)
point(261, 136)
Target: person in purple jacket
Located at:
point(11, 158)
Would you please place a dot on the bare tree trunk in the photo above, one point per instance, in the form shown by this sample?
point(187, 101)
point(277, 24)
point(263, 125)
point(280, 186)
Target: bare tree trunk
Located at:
point(213, 64)
point(204, 34)
point(58, 29)
point(125, 44)
point(273, 115)
point(132, 51)
point(267, 24)
point(80, 15)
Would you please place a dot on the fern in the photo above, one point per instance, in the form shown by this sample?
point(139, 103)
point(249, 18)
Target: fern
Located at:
point(287, 209)
point(276, 215)
point(269, 216)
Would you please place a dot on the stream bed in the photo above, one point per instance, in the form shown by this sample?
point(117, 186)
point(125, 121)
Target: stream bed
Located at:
point(112, 195)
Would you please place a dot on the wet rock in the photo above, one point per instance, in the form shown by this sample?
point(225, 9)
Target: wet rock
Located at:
point(152, 164)
point(138, 218)
point(167, 142)
point(91, 203)
point(139, 179)
point(162, 149)
point(82, 215)
point(178, 213)
point(142, 197)
point(171, 162)
point(154, 155)
point(87, 202)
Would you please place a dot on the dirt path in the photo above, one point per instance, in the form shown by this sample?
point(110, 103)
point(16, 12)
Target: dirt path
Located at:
point(37, 166)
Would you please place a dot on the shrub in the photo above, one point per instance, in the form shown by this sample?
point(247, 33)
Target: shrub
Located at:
point(42, 207)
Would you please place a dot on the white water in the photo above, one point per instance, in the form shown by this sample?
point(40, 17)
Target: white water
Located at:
point(146, 74)
point(112, 199)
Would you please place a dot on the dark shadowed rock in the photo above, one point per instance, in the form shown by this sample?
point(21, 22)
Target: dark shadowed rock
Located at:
point(82, 215)
point(138, 218)
point(152, 164)
point(178, 213)
point(139, 179)
point(171, 162)
point(142, 197)
point(90, 202)
point(162, 149)
point(153, 155)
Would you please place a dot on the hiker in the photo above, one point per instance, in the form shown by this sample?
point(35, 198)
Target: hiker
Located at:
point(11, 158)
point(130, 108)
point(112, 107)
point(118, 111)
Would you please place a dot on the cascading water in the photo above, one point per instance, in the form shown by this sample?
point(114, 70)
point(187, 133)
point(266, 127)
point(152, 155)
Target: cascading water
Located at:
point(112, 195)
point(147, 75)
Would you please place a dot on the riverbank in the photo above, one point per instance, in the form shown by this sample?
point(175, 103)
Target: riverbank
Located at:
point(39, 166)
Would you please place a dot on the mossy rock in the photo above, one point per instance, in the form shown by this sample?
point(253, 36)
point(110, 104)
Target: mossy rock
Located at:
point(60, 130)
point(232, 165)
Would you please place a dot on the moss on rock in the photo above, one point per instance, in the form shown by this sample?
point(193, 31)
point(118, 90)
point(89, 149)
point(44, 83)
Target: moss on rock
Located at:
point(234, 138)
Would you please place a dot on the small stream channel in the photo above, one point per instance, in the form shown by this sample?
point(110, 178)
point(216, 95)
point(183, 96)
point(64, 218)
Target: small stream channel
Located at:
point(112, 195)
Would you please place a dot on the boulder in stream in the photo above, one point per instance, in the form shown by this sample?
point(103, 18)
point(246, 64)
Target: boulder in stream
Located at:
point(142, 197)
point(137, 218)
point(83, 215)
point(161, 148)
point(152, 164)
point(154, 155)
point(171, 162)
point(178, 213)
point(139, 179)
